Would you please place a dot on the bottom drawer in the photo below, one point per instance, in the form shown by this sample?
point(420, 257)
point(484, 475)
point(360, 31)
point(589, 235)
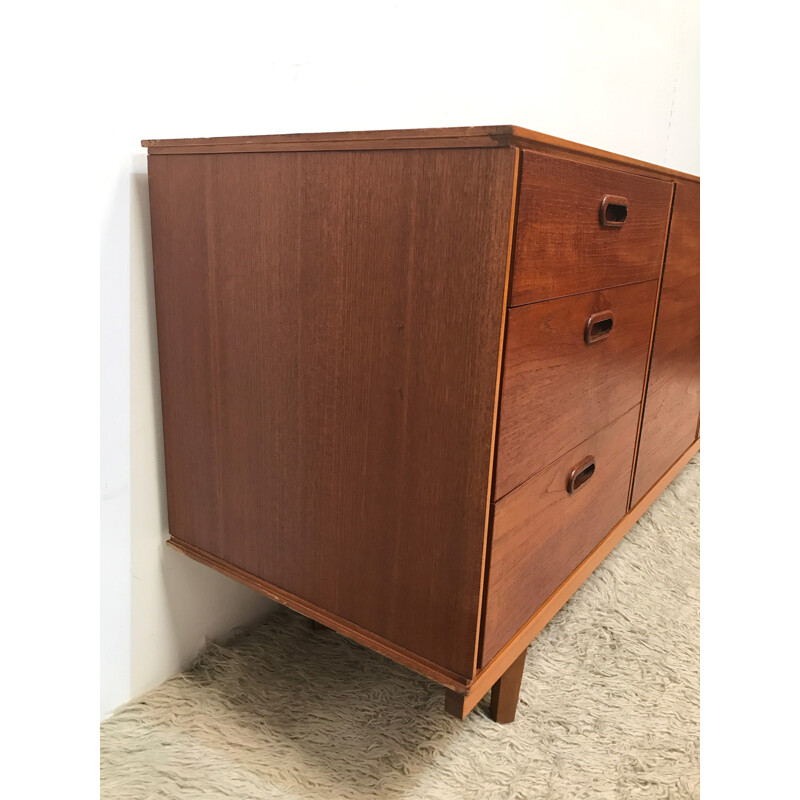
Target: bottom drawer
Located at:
point(542, 531)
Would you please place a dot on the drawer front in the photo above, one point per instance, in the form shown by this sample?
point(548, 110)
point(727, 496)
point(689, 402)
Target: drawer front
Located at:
point(567, 243)
point(541, 532)
point(557, 390)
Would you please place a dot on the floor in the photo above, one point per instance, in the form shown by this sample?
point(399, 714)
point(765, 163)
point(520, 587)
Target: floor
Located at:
point(609, 706)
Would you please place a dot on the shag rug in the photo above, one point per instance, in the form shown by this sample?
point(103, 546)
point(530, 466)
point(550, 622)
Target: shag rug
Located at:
point(609, 706)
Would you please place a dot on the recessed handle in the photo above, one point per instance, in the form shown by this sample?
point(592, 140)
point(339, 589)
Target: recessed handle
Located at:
point(580, 474)
point(613, 211)
point(598, 327)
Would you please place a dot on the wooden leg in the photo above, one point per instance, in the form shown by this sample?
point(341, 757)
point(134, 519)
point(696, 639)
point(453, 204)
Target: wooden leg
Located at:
point(505, 693)
point(456, 704)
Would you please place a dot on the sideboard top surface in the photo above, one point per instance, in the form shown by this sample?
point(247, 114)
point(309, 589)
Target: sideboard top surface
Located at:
point(418, 138)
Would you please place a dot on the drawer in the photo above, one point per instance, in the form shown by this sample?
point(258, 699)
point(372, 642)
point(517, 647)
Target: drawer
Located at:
point(541, 532)
point(556, 389)
point(567, 243)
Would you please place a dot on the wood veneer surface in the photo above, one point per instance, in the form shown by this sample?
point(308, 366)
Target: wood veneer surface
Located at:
point(331, 324)
point(414, 138)
point(491, 672)
point(556, 389)
point(672, 404)
point(561, 248)
point(540, 533)
point(329, 330)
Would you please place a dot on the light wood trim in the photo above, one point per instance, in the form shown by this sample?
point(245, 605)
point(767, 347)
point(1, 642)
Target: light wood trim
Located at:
point(455, 704)
point(475, 136)
point(542, 143)
point(650, 351)
point(499, 374)
point(494, 670)
point(472, 691)
point(338, 624)
point(420, 138)
point(354, 137)
point(505, 692)
point(305, 147)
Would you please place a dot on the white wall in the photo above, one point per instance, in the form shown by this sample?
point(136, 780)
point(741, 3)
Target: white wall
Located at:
point(622, 75)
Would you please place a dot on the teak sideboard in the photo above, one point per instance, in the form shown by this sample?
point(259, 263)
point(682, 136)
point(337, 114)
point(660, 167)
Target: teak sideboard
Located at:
point(417, 384)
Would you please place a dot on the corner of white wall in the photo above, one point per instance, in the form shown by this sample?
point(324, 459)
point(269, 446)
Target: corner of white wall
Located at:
point(115, 452)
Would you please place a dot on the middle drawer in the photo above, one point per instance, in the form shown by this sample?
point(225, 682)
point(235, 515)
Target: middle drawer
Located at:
point(571, 367)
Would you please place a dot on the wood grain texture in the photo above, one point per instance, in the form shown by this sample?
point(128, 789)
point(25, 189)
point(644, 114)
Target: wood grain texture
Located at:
point(491, 672)
point(505, 693)
point(562, 249)
point(499, 371)
point(556, 389)
point(329, 330)
point(358, 634)
point(540, 533)
point(527, 139)
point(465, 693)
point(481, 133)
point(672, 403)
point(455, 704)
point(649, 361)
point(415, 138)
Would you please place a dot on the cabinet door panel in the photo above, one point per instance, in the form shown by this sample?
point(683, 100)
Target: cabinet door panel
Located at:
point(672, 404)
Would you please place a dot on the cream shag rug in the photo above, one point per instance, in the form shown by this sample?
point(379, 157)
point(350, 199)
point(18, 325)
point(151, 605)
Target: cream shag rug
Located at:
point(609, 705)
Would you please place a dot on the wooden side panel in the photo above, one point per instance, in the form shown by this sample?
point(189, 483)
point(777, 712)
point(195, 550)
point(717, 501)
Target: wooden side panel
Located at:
point(561, 246)
point(672, 403)
point(541, 533)
point(557, 390)
point(329, 329)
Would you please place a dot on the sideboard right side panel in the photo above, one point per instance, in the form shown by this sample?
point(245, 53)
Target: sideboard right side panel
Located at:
point(672, 403)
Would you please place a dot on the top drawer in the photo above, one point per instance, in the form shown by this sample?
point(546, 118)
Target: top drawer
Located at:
point(568, 241)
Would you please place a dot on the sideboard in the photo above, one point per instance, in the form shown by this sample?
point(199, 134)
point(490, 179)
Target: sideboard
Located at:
point(417, 384)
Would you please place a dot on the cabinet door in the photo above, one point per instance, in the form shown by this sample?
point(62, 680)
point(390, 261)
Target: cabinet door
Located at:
point(672, 403)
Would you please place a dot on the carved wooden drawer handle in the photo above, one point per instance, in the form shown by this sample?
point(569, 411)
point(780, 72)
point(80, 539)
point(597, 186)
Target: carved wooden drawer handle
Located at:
point(580, 474)
point(613, 211)
point(598, 326)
